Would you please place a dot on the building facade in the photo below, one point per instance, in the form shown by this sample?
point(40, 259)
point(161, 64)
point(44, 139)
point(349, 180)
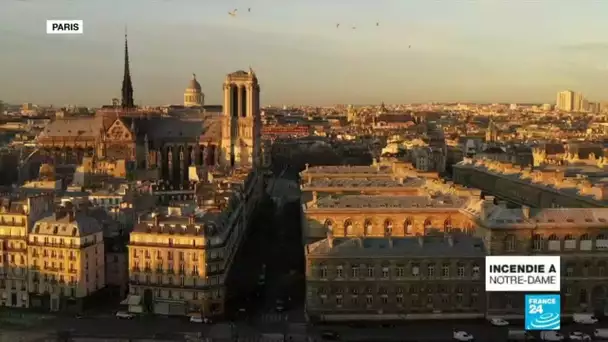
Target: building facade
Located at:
point(141, 141)
point(181, 258)
point(578, 235)
point(375, 278)
point(16, 220)
point(66, 260)
point(355, 216)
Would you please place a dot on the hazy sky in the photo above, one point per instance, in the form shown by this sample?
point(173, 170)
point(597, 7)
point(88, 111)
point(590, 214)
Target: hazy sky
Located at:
point(461, 50)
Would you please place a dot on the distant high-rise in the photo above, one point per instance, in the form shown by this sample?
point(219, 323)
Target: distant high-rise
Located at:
point(570, 101)
point(564, 100)
point(127, 86)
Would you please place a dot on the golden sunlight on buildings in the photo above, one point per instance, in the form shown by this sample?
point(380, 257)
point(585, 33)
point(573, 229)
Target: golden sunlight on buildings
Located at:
point(181, 257)
point(66, 252)
point(15, 220)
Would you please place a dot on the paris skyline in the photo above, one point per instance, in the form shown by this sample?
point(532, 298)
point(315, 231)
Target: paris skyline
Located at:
point(486, 51)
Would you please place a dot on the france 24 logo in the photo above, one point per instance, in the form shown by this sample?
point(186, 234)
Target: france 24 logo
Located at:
point(543, 312)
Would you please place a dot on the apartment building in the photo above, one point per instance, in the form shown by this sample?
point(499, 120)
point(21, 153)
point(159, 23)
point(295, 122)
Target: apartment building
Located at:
point(16, 218)
point(181, 257)
point(66, 260)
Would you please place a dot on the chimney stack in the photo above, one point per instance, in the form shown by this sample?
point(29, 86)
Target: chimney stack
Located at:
point(525, 211)
point(71, 215)
point(330, 240)
point(450, 239)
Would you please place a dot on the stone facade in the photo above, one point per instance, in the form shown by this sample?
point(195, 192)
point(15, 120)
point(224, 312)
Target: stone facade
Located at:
point(419, 208)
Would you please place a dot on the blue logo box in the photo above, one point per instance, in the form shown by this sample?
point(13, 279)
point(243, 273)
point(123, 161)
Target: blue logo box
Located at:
point(543, 312)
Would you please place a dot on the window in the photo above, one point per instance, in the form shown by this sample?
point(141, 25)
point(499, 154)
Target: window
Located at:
point(475, 272)
point(445, 270)
point(348, 227)
point(369, 300)
point(569, 271)
point(329, 226)
point(415, 270)
point(388, 227)
point(430, 270)
point(537, 243)
point(339, 271)
point(400, 271)
point(368, 227)
point(601, 242)
point(339, 300)
point(569, 242)
point(510, 243)
point(554, 243)
point(583, 296)
point(460, 270)
point(408, 226)
point(354, 271)
point(323, 272)
point(585, 242)
point(385, 272)
point(370, 272)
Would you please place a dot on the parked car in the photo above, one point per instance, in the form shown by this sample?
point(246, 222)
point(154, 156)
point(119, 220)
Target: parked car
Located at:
point(124, 315)
point(462, 336)
point(199, 319)
point(499, 322)
point(579, 336)
point(330, 335)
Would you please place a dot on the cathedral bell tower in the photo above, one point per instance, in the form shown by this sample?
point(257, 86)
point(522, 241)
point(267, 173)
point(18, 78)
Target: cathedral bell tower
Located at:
point(242, 129)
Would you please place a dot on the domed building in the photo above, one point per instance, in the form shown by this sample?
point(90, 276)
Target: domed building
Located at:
point(193, 96)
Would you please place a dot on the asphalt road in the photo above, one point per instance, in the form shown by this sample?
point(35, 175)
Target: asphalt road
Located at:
point(160, 327)
point(435, 331)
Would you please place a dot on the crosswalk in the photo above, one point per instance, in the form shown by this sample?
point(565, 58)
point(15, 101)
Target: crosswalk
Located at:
point(272, 317)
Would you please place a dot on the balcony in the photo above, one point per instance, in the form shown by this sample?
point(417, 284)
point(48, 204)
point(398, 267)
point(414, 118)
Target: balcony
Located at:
point(53, 268)
point(60, 245)
point(169, 286)
point(165, 245)
point(10, 248)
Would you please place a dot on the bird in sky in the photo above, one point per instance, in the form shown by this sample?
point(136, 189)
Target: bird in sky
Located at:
point(409, 47)
point(233, 13)
point(337, 25)
point(377, 24)
point(249, 10)
point(354, 27)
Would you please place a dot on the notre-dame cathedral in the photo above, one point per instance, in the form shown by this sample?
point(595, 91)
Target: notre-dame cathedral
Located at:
point(144, 141)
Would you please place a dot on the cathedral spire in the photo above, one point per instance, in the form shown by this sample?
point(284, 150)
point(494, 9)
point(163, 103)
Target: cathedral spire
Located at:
point(127, 85)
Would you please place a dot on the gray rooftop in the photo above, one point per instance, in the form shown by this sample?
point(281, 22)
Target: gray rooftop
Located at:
point(365, 201)
point(79, 224)
point(349, 169)
point(459, 245)
point(364, 183)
